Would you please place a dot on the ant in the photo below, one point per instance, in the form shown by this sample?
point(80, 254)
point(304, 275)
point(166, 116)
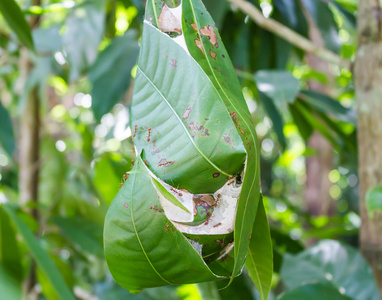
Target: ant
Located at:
point(148, 137)
point(135, 130)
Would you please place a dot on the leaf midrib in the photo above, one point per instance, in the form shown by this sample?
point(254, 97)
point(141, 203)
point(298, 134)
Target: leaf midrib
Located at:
point(182, 124)
point(260, 287)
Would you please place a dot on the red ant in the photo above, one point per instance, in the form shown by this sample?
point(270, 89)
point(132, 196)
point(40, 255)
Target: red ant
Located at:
point(165, 163)
point(148, 137)
point(135, 130)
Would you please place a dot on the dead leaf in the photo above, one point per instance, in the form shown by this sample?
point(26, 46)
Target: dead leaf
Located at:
point(168, 22)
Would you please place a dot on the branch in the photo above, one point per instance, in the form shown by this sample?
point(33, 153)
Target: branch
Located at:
point(288, 34)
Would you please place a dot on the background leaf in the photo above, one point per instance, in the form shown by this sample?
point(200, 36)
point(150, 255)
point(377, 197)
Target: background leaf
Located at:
point(110, 74)
point(315, 291)
point(330, 260)
point(16, 21)
point(280, 86)
point(84, 33)
point(7, 138)
point(40, 255)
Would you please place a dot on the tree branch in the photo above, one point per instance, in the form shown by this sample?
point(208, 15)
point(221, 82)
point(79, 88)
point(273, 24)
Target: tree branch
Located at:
point(288, 34)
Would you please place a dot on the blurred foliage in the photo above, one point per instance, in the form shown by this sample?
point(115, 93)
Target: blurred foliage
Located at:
point(83, 67)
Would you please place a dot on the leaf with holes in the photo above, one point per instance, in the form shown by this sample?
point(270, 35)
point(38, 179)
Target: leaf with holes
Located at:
point(192, 127)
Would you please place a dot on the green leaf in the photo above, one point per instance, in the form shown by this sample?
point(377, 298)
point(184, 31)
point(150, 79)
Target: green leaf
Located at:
point(107, 179)
point(374, 200)
point(330, 260)
point(315, 291)
point(142, 247)
point(316, 124)
point(288, 10)
point(40, 255)
point(281, 86)
point(16, 21)
point(328, 105)
point(174, 98)
point(206, 47)
point(168, 195)
point(47, 39)
point(259, 261)
point(302, 124)
point(276, 118)
point(83, 233)
point(84, 33)
point(7, 138)
point(323, 18)
point(10, 288)
point(110, 74)
point(10, 258)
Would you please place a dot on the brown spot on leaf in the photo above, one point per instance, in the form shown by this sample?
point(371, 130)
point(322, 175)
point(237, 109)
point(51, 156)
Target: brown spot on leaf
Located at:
point(187, 113)
point(126, 205)
point(216, 175)
point(213, 54)
point(199, 45)
point(193, 25)
point(167, 22)
point(242, 131)
point(173, 63)
point(210, 33)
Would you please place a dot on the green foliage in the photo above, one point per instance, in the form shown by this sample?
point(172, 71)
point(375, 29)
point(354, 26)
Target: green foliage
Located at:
point(110, 74)
point(7, 139)
point(331, 261)
point(16, 21)
point(83, 70)
point(314, 291)
point(39, 254)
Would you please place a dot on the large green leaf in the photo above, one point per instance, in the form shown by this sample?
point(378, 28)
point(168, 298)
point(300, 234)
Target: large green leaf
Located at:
point(7, 139)
point(40, 255)
point(315, 291)
point(330, 260)
point(142, 247)
point(189, 138)
point(259, 261)
point(110, 74)
point(206, 47)
point(15, 19)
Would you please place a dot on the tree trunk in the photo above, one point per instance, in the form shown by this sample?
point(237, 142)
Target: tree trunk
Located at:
point(318, 200)
point(368, 82)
